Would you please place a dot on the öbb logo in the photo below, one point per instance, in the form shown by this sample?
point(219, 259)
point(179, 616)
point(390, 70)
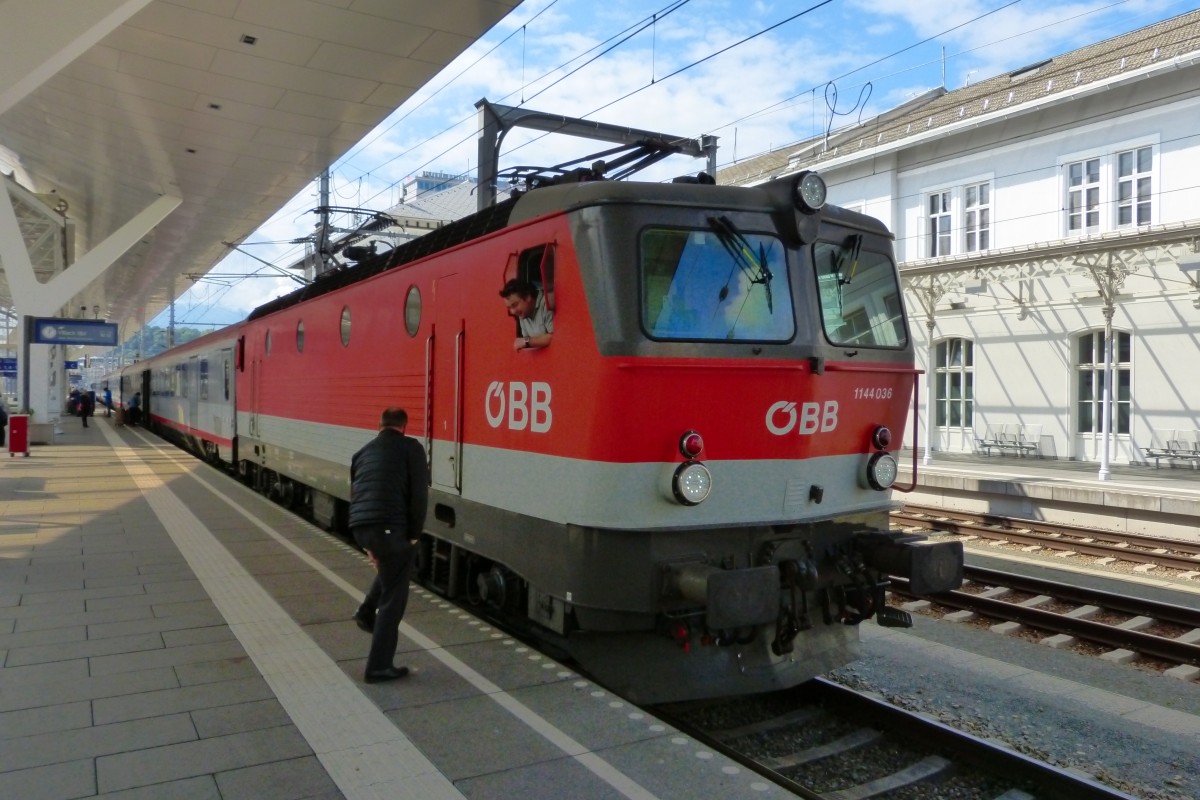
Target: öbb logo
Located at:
point(783, 418)
point(526, 406)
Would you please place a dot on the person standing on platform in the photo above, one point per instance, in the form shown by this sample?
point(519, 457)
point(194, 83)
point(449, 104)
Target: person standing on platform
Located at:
point(389, 495)
point(107, 401)
point(87, 404)
point(3, 422)
point(134, 408)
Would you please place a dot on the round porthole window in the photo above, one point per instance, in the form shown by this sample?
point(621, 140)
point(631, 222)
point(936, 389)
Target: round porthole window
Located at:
point(300, 336)
point(412, 310)
point(346, 326)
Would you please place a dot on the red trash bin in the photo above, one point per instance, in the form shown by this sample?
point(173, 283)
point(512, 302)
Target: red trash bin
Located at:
point(18, 434)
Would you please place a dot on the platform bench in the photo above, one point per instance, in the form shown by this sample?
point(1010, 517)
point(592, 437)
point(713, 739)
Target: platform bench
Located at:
point(1012, 437)
point(1174, 445)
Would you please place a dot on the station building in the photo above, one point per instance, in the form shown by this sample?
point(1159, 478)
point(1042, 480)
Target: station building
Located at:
point(1041, 216)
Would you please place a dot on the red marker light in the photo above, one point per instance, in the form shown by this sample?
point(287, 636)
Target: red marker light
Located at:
point(681, 635)
point(881, 437)
point(691, 444)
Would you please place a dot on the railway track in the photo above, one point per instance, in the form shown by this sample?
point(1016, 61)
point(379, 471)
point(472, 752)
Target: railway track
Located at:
point(825, 741)
point(1125, 624)
point(1169, 553)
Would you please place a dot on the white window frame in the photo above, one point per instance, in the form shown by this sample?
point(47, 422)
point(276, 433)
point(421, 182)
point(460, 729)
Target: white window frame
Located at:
point(945, 213)
point(1137, 198)
point(957, 212)
point(949, 370)
point(1108, 186)
point(977, 217)
point(1095, 371)
point(1089, 191)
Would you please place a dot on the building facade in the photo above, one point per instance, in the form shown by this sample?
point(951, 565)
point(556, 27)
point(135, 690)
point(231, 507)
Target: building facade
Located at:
point(1047, 228)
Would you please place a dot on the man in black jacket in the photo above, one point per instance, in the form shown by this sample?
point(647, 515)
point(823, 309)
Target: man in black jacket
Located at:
point(389, 494)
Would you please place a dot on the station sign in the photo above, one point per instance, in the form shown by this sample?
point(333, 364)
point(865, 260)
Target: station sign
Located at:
point(48, 330)
point(8, 367)
point(71, 365)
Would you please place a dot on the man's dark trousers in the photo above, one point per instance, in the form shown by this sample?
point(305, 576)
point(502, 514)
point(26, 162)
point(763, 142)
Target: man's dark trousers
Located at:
point(388, 595)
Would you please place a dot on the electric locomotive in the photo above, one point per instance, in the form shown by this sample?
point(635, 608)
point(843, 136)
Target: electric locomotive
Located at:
point(688, 489)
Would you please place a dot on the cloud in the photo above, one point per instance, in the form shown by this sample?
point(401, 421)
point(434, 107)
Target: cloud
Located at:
point(760, 95)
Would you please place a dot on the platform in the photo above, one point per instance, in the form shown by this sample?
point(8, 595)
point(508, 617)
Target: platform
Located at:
point(1134, 499)
point(166, 632)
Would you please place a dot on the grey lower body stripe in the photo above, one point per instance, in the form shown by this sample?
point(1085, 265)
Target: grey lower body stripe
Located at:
point(310, 688)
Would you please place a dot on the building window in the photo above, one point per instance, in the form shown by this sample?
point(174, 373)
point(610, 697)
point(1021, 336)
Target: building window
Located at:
point(1109, 191)
point(977, 200)
point(939, 224)
point(954, 381)
point(1089, 366)
point(1133, 186)
point(1083, 196)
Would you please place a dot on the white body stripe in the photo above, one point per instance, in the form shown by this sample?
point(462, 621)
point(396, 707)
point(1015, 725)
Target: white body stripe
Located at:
point(629, 496)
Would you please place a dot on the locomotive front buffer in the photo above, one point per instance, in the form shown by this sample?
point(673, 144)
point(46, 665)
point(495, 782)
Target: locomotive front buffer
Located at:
point(798, 584)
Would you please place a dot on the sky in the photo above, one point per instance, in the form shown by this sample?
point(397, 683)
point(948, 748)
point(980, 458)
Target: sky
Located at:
point(758, 75)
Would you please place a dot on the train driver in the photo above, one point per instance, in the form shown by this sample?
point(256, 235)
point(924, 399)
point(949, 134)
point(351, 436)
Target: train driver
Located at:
point(528, 304)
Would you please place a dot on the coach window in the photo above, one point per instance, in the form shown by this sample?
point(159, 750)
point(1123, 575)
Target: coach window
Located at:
point(204, 379)
point(268, 343)
point(225, 365)
point(300, 336)
point(345, 326)
point(412, 310)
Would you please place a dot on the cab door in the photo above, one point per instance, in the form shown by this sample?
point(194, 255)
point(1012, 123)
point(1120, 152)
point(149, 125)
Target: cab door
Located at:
point(446, 384)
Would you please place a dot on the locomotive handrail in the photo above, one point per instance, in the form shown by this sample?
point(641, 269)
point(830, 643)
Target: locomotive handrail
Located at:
point(723, 366)
point(458, 439)
point(915, 405)
point(799, 366)
point(885, 368)
point(428, 402)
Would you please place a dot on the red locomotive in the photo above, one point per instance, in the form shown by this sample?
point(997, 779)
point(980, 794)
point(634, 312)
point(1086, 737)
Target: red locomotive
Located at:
point(687, 490)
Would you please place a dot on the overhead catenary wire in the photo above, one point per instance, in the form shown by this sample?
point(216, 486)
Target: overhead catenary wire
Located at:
point(608, 48)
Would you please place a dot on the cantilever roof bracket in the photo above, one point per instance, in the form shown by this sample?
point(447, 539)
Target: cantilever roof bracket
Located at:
point(497, 120)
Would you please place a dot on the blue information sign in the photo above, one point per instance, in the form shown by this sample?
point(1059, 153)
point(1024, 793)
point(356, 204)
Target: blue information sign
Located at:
point(74, 331)
point(71, 365)
point(8, 367)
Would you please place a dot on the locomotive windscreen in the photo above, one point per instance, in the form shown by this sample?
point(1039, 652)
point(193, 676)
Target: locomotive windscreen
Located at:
point(716, 284)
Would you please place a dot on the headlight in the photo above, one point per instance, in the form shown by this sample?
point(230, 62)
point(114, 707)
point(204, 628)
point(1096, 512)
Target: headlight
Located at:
point(691, 483)
point(810, 192)
point(881, 471)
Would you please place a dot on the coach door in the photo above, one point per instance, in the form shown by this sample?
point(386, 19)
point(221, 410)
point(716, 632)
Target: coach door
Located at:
point(192, 382)
point(445, 384)
point(252, 405)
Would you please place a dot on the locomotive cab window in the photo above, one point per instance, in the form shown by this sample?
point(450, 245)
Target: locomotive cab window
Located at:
point(860, 295)
point(715, 284)
point(536, 266)
point(528, 295)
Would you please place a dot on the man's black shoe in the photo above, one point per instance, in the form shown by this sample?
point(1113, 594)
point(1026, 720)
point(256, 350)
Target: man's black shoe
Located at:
point(389, 674)
point(364, 623)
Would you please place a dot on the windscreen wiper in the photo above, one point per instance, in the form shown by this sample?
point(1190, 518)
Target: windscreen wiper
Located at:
point(741, 251)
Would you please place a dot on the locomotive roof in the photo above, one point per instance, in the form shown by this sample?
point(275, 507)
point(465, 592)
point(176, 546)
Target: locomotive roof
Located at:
point(569, 196)
point(550, 200)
